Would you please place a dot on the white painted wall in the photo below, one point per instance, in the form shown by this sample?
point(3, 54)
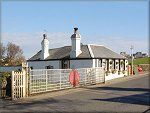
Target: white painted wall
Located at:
point(10, 68)
point(94, 60)
point(57, 64)
point(88, 63)
point(42, 64)
point(81, 63)
point(113, 76)
point(45, 48)
point(76, 47)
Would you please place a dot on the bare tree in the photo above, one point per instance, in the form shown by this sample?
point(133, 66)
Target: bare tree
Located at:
point(14, 54)
point(2, 53)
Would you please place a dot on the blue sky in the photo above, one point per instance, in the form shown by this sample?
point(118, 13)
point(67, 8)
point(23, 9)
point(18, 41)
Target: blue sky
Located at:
point(115, 24)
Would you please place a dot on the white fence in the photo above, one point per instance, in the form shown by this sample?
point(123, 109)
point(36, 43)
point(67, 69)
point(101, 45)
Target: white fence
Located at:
point(19, 84)
point(43, 80)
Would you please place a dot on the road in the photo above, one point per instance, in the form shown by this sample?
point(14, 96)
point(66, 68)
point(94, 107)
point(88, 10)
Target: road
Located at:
point(129, 94)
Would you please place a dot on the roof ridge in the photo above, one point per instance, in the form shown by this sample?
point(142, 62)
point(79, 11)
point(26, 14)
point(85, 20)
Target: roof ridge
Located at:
point(59, 47)
point(65, 46)
point(95, 45)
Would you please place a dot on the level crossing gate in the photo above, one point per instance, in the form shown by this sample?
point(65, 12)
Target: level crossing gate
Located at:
point(19, 84)
point(44, 80)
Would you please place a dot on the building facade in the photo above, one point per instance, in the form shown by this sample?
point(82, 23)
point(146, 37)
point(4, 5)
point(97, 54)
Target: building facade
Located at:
point(77, 56)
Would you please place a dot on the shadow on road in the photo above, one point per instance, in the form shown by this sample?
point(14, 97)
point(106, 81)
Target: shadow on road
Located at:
point(140, 99)
point(48, 104)
point(36, 102)
point(121, 89)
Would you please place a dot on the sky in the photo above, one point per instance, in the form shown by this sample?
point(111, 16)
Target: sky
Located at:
point(114, 24)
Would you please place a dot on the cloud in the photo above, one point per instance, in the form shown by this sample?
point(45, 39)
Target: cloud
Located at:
point(31, 42)
point(119, 44)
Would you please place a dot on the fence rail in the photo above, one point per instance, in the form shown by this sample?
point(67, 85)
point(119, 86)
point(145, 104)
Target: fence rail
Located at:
point(43, 80)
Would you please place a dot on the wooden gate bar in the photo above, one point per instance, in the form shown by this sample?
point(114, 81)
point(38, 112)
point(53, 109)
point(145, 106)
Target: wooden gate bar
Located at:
point(18, 85)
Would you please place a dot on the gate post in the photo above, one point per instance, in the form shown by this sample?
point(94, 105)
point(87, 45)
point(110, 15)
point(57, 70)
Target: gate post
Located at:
point(28, 81)
point(46, 78)
point(12, 85)
point(24, 83)
point(85, 77)
point(104, 75)
point(60, 79)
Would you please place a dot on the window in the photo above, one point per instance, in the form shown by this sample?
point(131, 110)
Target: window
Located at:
point(100, 63)
point(49, 67)
point(65, 64)
point(104, 62)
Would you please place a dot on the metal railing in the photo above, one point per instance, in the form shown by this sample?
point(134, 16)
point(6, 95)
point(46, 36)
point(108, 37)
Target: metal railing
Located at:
point(43, 80)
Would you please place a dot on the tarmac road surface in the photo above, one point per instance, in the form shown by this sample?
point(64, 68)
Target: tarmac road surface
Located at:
point(128, 94)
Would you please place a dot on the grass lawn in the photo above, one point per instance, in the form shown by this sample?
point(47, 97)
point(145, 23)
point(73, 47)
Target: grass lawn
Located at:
point(137, 61)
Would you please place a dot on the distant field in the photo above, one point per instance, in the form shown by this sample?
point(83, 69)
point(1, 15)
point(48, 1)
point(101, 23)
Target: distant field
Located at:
point(137, 61)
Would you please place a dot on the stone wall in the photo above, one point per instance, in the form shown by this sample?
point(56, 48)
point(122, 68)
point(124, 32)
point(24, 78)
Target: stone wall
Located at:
point(145, 67)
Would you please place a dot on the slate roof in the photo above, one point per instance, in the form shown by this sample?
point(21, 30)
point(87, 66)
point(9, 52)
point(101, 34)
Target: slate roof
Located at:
point(64, 53)
point(103, 52)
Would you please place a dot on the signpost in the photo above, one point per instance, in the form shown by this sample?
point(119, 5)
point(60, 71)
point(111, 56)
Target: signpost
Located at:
point(132, 60)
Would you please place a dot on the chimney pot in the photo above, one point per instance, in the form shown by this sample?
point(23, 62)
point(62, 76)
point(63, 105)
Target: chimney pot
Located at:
point(44, 36)
point(75, 30)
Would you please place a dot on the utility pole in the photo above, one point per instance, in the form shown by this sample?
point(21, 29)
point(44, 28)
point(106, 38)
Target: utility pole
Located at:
point(132, 59)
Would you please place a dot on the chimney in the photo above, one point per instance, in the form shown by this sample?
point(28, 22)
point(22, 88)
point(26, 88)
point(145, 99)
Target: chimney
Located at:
point(76, 45)
point(44, 47)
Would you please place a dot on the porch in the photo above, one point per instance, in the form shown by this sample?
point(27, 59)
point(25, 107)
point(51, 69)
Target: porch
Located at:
point(114, 68)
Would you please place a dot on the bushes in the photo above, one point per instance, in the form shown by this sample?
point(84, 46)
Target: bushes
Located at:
point(4, 76)
point(119, 72)
point(107, 73)
point(114, 71)
point(124, 72)
point(5, 84)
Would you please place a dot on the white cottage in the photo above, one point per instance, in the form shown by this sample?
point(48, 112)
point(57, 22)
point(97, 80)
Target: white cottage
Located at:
point(78, 56)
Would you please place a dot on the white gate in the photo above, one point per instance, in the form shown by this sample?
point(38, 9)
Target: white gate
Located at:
point(19, 83)
point(43, 80)
point(90, 76)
